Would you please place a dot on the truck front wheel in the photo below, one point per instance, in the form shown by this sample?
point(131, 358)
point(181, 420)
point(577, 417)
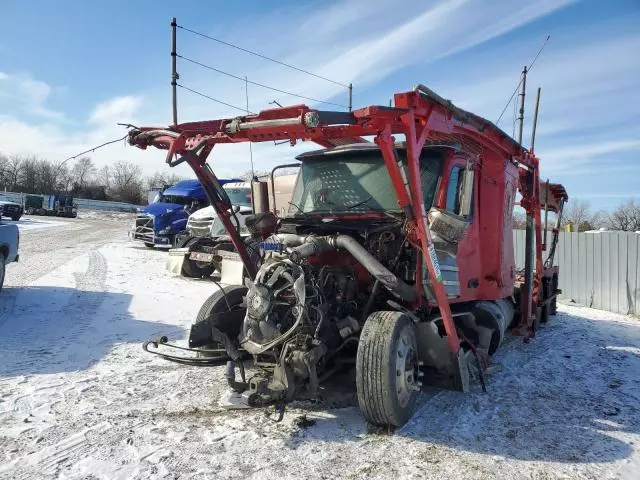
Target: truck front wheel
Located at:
point(387, 370)
point(228, 298)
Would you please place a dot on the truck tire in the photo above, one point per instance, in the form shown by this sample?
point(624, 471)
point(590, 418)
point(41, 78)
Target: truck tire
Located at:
point(16, 218)
point(216, 303)
point(149, 245)
point(193, 268)
point(2, 269)
point(387, 369)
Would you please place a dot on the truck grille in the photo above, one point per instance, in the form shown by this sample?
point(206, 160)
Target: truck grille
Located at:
point(10, 210)
point(144, 228)
point(200, 227)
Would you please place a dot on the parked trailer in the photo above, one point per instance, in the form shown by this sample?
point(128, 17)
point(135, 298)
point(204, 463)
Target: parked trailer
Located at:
point(62, 206)
point(395, 257)
point(34, 204)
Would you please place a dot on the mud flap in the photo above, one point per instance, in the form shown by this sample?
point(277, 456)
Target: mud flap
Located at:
point(220, 327)
point(175, 260)
point(461, 379)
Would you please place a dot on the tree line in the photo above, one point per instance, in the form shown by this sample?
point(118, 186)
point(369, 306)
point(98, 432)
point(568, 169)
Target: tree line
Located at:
point(578, 213)
point(122, 181)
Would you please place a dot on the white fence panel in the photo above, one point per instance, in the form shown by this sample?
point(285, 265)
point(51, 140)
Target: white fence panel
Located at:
point(599, 270)
point(83, 203)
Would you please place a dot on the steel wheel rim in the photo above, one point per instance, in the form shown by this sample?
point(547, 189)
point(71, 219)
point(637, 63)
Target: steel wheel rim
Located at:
point(406, 368)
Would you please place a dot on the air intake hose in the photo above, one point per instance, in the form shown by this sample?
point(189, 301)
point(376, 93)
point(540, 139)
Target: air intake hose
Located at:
point(313, 245)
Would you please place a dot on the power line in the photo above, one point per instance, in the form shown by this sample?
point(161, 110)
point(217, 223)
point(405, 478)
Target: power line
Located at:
point(213, 99)
point(261, 56)
point(520, 82)
point(91, 150)
point(195, 62)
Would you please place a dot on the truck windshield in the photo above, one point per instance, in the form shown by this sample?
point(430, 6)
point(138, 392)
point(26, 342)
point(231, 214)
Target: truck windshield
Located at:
point(357, 182)
point(239, 196)
point(218, 230)
point(176, 199)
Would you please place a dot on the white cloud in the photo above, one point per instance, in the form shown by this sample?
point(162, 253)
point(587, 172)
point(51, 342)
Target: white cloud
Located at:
point(20, 92)
point(115, 110)
point(589, 151)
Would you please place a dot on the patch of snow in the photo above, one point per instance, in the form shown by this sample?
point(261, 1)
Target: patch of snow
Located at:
point(37, 222)
point(80, 399)
point(104, 215)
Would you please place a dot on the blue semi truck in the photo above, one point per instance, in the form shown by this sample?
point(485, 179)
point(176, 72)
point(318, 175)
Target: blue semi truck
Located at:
point(163, 219)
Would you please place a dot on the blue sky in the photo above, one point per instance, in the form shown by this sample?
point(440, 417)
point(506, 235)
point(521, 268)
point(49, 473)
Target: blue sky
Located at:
point(70, 70)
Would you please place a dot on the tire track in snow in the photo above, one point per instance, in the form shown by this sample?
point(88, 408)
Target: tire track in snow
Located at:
point(51, 333)
point(47, 460)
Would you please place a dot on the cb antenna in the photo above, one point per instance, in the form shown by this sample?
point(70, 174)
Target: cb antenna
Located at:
point(535, 123)
point(523, 78)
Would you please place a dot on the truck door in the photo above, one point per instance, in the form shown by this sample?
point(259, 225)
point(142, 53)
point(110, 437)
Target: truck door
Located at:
point(450, 219)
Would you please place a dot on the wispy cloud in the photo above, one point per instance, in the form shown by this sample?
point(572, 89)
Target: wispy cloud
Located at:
point(115, 110)
point(363, 52)
point(592, 150)
point(21, 93)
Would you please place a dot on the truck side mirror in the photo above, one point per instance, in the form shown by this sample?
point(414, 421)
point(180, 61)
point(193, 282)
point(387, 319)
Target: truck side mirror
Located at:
point(466, 192)
point(235, 208)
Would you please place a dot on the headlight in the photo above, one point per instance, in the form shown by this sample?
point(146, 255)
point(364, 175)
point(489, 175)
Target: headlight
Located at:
point(166, 230)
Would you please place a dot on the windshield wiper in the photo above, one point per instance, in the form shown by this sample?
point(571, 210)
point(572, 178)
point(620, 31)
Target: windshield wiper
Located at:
point(359, 203)
point(299, 209)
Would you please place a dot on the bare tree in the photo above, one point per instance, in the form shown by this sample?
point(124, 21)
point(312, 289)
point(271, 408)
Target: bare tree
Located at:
point(104, 177)
point(14, 169)
point(49, 178)
point(126, 182)
point(578, 213)
point(83, 172)
point(162, 179)
point(28, 175)
point(4, 168)
point(626, 217)
point(61, 178)
point(248, 175)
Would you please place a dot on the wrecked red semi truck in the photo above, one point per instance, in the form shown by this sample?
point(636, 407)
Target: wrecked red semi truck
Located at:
point(394, 256)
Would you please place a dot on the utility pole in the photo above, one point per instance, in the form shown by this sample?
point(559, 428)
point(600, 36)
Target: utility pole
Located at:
point(523, 88)
point(246, 94)
point(174, 73)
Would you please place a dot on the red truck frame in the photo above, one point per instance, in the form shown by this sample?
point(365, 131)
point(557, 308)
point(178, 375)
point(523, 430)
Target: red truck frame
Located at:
point(421, 116)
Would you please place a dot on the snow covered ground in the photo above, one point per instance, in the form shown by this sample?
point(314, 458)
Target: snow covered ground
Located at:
point(29, 222)
point(80, 399)
point(103, 214)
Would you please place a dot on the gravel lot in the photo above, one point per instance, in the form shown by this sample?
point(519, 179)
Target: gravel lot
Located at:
point(79, 399)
